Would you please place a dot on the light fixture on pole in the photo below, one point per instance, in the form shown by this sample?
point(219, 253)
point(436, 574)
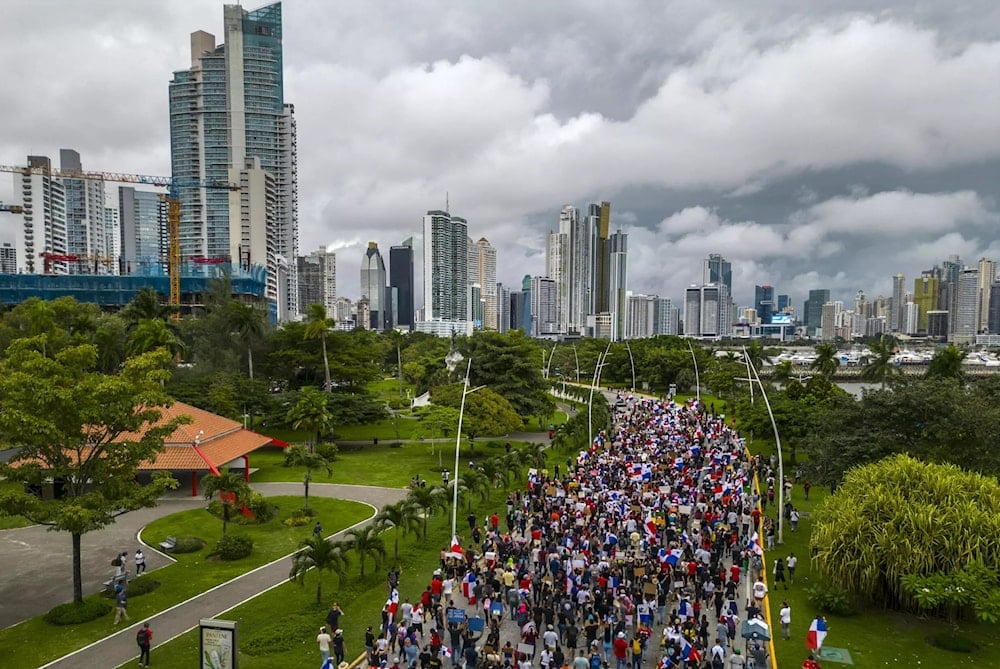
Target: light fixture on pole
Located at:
point(697, 381)
point(590, 402)
point(777, 444)
point(548, 368)
point(458, 444)
point(631, 361)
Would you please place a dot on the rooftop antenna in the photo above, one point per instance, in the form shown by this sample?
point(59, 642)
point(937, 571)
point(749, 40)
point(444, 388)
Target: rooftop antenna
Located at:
point(447, 207)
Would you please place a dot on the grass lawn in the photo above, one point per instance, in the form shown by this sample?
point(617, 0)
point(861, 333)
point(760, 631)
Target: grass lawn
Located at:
point(875, 638)
point(192, 574)
point(278, 628)
point(388, 388)
point(385, 429)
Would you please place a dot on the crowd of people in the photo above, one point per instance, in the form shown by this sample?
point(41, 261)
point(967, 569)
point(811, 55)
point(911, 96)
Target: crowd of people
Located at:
point(642, 552)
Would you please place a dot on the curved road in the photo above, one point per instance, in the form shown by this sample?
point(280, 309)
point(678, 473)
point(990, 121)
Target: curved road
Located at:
point(35, 557)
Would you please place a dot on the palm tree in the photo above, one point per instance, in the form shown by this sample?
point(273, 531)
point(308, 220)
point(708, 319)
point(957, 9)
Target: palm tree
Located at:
point(428, 500)
point(403, 516)
point(757, 354)
point(880, 367)
point(533, 454)
point(366, 540)
point(299, 456)
point(151, 334)
point(146, 305)
point(826, 361)
point(782, 372)
point(515, 465)
point(323, 555)
point(318, 327)
point(946, 363)
point(310, 413)
point(476, 481)
point(248, 324)
point(232, 490)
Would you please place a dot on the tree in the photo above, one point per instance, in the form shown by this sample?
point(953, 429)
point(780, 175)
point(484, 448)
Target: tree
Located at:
point(973, 585)
point(88, 432)
point(475, 481)
point(147, 304)
point(403, 516)
point(782, 373)
point(880, 367)
point(298, 456)
point(310, 413)
point(757, 354)
point(427, 499)
point(486, 413)
point(826, 361)
point(901, 517)
point(367, 541)
point(151, 334)
point(510, 365)
point(318, 326)
point(232, 489)
point(248, 324)
point(946, 363)
point(322, 555)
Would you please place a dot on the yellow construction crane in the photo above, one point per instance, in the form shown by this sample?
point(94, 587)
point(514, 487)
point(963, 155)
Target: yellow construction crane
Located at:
point(173, 186)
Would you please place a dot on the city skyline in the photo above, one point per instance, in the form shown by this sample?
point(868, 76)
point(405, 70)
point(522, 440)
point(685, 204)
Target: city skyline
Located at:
point(756, 133)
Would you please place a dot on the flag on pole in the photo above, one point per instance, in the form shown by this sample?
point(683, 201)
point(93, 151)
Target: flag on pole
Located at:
point(689, 652)
point(393, 602)
point(673, 557)
point(650, 525)
point(816, 633)
point(755, 544)
point(684, 611)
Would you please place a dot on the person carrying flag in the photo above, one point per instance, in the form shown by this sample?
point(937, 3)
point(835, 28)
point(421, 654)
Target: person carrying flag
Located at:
point(816, 634)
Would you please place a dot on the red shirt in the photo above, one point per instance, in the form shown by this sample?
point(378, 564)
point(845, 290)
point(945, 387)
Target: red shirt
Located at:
point(734, 572)
point(436, 586)
point(620, 647)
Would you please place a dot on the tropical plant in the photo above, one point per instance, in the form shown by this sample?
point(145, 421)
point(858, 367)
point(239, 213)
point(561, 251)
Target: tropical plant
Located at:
point(367, 542)
point(880, 368)
point(151, 334)
point(232, 489)
point(782, 373)
point(248, 323)
point(476, 481)
point(899, 518)
point(322, 555)
point(311, 413)
point(298, 455)
point(318, 326)
point(403, 516)
point(826, 361)
point(946, 363)
point(427, 500)
point(974, 586)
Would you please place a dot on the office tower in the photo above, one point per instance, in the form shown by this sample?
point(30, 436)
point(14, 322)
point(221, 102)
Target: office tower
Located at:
point(401, 282)
point(8, 259)
point(558, 268)
point(227, 107)
point(993, 321)
point(641, 320)
point(544, 307)
point(373, 287)
point(483, 271)
point(113, 235)
point(926, 292)
point(937, 324)
point(317, 283)
point(666, 317)
point(576, 228)
point(503, 308)
point(812, 311)
point(897, 305)
point(142, 220)
point(784, 301)
point(85, 236)
point(719, 271)
point(618, 283)
point(763, 302)
point(44, 231)
point(703, 309)
point(966, 311)
point(912, 319)
point(599, 225)
point(520, 307)
point(948, 298)
point(987, 277)
point(446, 257)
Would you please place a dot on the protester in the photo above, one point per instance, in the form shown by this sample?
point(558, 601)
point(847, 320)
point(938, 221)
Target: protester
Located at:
point(144, 638)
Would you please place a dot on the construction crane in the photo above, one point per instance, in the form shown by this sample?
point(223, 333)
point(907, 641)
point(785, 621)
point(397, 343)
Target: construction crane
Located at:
point(50, 258)
point(173, 186)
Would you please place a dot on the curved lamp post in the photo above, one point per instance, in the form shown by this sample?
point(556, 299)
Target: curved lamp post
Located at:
point(590, 402)
point(777, 442)
point(697, 381)
point(458, 443)
point(631, 361)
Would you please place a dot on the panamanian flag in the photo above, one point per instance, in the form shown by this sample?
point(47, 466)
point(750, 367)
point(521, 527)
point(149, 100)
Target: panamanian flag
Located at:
point(755, 544)
point(673, 557)
point(393, 602)
point(685, 611)
point(816, 634)
point(689, 652)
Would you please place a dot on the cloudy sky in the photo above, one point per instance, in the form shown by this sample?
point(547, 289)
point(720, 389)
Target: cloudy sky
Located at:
point(821, 144)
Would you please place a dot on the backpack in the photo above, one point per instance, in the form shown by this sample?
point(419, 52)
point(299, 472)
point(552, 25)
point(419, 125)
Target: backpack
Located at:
point(141, 638)
point(636, 647)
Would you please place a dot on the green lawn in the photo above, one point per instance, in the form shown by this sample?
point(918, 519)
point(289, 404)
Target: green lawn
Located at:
point(278, 628)
point(875, 638)
point(367, 465)
point(386, 429)
point(192, 574)
point(388, 388)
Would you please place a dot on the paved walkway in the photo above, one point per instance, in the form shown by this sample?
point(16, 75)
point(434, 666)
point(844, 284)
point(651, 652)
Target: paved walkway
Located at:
point(28, 552)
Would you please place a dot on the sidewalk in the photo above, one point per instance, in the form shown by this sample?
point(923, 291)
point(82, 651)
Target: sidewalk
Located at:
point(119, 648)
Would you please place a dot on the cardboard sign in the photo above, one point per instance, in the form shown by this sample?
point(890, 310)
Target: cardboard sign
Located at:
point(476, 624)
point(649, 589)
point(456, 616)
point(639, 571)
point(684, 509)
point(526, 649)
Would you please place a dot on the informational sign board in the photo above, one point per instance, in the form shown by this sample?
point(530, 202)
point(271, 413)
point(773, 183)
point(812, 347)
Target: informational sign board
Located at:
point(456, 616)
point(476, 624)
point(526, 649)
point(218, 643)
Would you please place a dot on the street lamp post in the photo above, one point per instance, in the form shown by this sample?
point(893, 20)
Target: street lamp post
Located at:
point(777, 443)
point(697, 381)
point(458, 444)
point(631, 361)
point(590, 402)
point(548, 368)
point(577, 357)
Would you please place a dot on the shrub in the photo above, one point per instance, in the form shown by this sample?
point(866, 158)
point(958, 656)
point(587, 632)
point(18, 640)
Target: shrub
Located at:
point(260, 507)
point(75, 614)
point(956, 643)
point(188, 545)
point(398, 403)
point(327, 450)
point(300, 517)
point(234, 547)
point(830, 599)
point(141, 585)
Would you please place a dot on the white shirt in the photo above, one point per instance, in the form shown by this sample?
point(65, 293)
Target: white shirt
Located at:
point(791, 561)
point(786, 615)
point(324, 639)
point(759, 590)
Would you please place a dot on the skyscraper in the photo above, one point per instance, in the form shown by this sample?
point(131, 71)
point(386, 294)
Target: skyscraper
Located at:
point(317, 284)
point(987, 277)
point(618, 283)
point(812, 311)
point(373, 287)
point(44, 229)
point(763, 302)
point(557, 267)
point(401, 283)
point(926, 292)
point(897, 306)
point(599, 225)
point(446, 258)
point(719, 271)
point(702, 310)
point(227, 107)
point(966, 311)
point(142, 219)
point(483, 271)
point(85, 236)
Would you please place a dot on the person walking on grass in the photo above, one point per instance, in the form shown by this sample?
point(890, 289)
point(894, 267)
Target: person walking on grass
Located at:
point(785, 617)
point(791, 561)
point(144, 638)
point(324, 640)
point(121, 606)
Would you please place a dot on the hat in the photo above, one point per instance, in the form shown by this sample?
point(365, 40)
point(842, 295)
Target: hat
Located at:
point(395, 660)
point(322, 629)
point(621, 635)
point(339, 632)
point(736, 650)
point(550, 626)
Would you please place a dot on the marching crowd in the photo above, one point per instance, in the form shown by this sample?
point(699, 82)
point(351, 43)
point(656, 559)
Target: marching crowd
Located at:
point(643, 552)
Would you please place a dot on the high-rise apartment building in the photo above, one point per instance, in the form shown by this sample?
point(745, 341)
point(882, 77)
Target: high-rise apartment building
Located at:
point(703, 310)
point(401, 284)
point(44, 231)
point(446, 258)
point(666, 317)
point(373, 289)
point(544, 296)
point(897, 305)
point(142, 218)
point(987, 277)
point(317, 283)
point(483, 271)
point(85, 232)
point(599, 225)
point(926, 292)
point(966, 311)
point(641, 320)
point(8, 259)
point(618, 283)
point(558, 267)
point(718, 271)
point(227, 107)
